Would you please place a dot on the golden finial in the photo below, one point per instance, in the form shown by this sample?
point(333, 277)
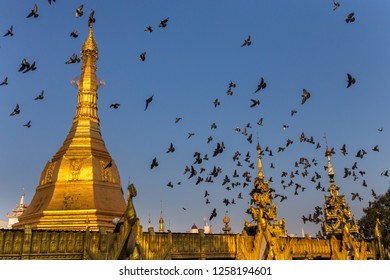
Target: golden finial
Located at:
point(161, 221)
point(330, 167)
point(90, 44)
point(260, 175)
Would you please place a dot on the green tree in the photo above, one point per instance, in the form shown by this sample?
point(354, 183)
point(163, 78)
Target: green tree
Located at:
point(379, 208)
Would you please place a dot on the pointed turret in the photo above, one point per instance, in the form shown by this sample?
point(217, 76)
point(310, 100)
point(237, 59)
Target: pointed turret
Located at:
point(82, 181)
point(338, 215)
point(260, 175)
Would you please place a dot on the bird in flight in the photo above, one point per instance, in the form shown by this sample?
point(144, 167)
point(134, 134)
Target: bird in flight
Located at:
point(16, 111)
point(247, 41)
point(32, 67)
point(91, 18)
point(216, 103)
point(261, 85)
point(163, 23)
point(34, 12)
point(335, 5)
point(28, 124)
point(293, 112)
point(73, 59)
point(171, 148)
point(305, 96)
point(115, 105)
point(154, 163)
point(40, 96)
point(213, 214)
point(260, 121)
point(142, 56)
point(149, 28)
point(4, 82)
point(9, 32)
point(350, 80)
point(177, 119)
point(148, 101)
point(24, 65)
point(79, 11)
point(255, 102)
point(380, 129)
point(350, 18)
point(74, 34)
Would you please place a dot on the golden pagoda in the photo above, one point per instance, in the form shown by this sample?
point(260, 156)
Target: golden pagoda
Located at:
point(80, 186)
point(338, 215)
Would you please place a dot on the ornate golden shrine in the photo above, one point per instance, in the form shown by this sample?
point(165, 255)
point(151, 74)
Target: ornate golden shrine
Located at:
point(79, 195)
point(80, 186)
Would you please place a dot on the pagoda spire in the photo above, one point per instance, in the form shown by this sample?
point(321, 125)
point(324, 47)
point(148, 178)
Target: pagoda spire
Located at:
point(88, 85)
point(260, 175)
point(82, 180)
point(328, 154)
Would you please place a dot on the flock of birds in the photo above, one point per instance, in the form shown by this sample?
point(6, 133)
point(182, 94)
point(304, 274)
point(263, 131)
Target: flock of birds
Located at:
point(241, 177)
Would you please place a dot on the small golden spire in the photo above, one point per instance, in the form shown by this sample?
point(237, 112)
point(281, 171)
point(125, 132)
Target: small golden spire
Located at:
point(330, 167)
point(161, 221)
point(260, 175)
point(88, 85)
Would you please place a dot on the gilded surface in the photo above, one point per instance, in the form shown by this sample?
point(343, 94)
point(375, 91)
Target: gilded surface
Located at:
point(81, 183)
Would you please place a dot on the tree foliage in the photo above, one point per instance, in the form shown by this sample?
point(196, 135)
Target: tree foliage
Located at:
point(379, 208)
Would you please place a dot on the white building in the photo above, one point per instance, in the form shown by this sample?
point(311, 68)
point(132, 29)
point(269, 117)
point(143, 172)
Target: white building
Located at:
point(14, 217)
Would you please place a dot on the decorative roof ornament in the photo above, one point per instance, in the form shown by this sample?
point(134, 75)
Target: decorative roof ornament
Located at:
point(338, 215)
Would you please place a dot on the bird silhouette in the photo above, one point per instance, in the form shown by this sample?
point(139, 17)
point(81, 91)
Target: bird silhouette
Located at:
point(170, 184)
point(28, 124)
point(91, 18)
point(335, 5)
point(213, 214)
point(34, 12)
point(154, 163)
point(9, 32)
point(24, 65)
point(73, 59)
point(350, 80)
point(163, 23)
point(4, 82)
point(148, 101)
point(142, 56)
point(261, 85)
point(260, 121)
point(178, 119)
point(79, 11)
point(171, 148)
point(74, 34)
point(190, 134)
point(254, 103)
point(350, 18)
point(247, 41)
point(216, 103)
point(32, 67)
point(293, 112)
point(16, 111)
point(149, 28)
point(40, 96)
point(115, 105)
point(305, 96)
point(344, 150)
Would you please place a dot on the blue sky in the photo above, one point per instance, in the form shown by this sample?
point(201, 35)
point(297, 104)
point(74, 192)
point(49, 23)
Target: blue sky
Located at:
point(296, 45)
